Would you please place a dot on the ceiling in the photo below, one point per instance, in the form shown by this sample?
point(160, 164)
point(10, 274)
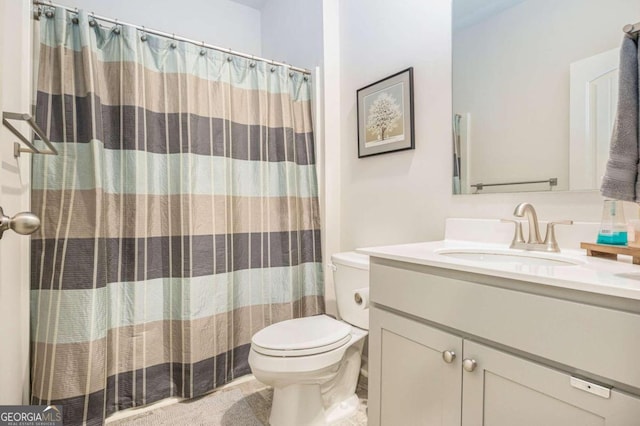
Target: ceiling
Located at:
point(256, 4)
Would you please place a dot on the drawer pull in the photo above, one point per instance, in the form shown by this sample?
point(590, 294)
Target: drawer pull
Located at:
point(599, 390)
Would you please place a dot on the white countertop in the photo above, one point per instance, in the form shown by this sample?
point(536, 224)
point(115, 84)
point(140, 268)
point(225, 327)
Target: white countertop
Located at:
point(594, 275)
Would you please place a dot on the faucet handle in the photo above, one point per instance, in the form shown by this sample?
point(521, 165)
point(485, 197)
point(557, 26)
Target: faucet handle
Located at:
point(550, 238)
point(517, 237)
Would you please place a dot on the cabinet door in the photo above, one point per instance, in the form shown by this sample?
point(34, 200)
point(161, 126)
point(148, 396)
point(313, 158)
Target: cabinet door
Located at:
point(410, 383)
point(505, 390)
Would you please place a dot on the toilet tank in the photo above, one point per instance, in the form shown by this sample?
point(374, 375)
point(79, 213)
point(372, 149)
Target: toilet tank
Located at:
point(351, 273)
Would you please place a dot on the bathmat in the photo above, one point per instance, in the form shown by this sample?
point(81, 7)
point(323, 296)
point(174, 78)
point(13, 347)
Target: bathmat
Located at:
point(222, 408)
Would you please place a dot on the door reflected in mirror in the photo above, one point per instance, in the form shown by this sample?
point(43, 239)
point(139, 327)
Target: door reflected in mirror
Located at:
point(534, 92)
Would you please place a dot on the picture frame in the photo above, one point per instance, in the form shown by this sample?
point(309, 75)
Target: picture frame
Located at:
point(385, 115)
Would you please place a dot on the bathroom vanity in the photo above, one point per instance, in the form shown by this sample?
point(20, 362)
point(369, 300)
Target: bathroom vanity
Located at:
point(468, 340)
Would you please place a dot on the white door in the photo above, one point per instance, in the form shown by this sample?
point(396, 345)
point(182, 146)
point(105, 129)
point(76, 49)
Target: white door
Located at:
point(593, 102)
point(15, 95)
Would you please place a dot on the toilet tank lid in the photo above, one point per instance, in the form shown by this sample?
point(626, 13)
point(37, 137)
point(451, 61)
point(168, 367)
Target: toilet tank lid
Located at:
point(351, 258)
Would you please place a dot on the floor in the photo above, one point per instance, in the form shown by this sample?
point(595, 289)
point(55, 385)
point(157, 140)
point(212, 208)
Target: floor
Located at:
point(246, 403)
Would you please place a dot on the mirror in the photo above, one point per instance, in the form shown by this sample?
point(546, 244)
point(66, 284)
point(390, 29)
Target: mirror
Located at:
point(535, 92)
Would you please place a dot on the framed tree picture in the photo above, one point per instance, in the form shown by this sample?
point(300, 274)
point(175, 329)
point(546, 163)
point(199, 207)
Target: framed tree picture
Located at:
point(385, 115)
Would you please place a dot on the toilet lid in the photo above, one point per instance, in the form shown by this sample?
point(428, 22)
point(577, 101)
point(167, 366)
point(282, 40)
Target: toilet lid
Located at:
point(302, 333)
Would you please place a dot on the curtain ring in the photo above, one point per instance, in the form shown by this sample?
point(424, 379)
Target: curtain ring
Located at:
point(116, 28)
point(92, 22)
point(75, 19)
point(252, 64)
point(203, 51)
point(143, 37)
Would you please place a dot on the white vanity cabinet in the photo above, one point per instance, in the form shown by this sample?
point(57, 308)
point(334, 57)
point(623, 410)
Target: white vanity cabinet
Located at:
point(521, 358)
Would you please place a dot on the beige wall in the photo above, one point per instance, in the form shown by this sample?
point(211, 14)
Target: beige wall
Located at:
point(398, 197)
point(223, 23)
point(406, 196)
point(292, 32)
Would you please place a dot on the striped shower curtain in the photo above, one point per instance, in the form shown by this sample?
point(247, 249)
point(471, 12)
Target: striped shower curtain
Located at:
point(180, 217)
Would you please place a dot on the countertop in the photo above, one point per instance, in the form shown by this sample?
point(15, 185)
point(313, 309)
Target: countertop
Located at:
point(590, 274)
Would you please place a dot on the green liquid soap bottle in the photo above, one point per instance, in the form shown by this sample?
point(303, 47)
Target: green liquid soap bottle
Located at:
point(613, 228)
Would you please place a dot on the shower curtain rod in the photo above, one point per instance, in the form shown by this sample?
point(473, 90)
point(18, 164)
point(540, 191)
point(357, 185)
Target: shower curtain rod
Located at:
point(174, 37)
point(632, 29)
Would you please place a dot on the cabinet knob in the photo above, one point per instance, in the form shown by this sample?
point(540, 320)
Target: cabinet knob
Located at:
point(469, 364)
point(448, 356)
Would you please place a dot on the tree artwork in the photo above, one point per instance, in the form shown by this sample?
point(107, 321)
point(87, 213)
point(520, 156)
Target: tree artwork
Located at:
point(383, 115)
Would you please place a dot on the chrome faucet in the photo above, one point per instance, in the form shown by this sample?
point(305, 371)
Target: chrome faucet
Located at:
point(534, 241)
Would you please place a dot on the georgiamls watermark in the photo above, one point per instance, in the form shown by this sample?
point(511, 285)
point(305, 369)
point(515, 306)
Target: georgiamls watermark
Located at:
point(30, 415)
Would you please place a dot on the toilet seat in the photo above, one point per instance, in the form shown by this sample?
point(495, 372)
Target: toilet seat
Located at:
point(302, 337)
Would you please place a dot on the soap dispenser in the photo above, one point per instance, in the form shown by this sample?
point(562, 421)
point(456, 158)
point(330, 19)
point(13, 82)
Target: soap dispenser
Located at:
point(613, 228)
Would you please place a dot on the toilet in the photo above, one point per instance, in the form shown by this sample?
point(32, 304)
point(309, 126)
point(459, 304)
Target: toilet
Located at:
point(313, 363)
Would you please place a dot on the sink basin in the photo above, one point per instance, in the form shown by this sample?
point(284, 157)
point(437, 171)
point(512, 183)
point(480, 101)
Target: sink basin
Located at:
point(510, 257)
point(629, 275)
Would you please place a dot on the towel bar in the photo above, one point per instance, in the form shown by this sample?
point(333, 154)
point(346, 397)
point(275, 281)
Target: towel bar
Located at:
point(550, 181)
point(17, 149)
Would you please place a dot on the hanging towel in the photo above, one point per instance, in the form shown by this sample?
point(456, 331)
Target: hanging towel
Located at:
point(620, 180)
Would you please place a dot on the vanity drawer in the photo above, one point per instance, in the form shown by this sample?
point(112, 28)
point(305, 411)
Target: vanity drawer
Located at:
point(594, 341)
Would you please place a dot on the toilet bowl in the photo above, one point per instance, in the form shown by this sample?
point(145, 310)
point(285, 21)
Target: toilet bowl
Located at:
point(313, 363)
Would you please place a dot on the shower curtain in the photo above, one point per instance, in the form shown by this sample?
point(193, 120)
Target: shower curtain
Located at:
point(180, 217)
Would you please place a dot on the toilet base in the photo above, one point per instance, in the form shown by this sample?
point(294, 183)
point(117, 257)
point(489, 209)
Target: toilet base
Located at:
point(342, 410)
point(297, 405)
